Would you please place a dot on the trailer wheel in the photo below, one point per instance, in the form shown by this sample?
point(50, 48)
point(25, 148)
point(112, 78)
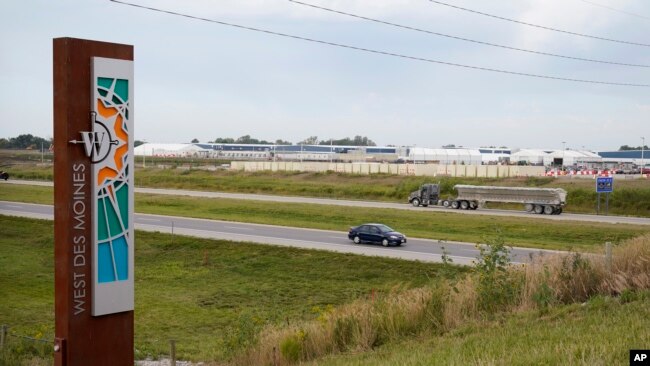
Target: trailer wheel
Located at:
point(464, 205)
point(415, 202)
point(539, 209)
point(454, 204)
point(548, 210)
point(473, 205)
point(559, 210)
point(529, 207)
point(445, 204)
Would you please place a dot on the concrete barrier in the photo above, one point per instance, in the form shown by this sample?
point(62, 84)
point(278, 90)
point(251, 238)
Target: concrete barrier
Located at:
point(483, 171)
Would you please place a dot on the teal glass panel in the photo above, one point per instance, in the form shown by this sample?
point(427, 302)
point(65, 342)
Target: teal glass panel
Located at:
point(122, 89)
point(105, 272)
point(123, 203)
point(102, 230)
point(105, 82)
point(113, 221)
point(121, 254)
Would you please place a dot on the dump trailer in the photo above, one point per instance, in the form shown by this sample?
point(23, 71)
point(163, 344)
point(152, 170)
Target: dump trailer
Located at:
point(547, 201)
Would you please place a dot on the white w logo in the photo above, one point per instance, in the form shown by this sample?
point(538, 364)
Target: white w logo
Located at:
point(93, 143)
point(97, 143)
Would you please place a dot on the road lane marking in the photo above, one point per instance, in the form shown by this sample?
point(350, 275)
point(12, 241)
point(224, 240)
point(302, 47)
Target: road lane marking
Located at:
point(240, 228)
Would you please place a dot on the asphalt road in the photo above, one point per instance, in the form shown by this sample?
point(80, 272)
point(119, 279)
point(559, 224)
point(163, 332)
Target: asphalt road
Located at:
point(371, 204)
point(415, 249)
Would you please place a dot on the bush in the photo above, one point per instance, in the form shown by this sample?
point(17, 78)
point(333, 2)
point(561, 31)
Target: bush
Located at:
point(291, 347)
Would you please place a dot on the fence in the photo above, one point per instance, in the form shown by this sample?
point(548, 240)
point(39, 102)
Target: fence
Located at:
point(16, 348)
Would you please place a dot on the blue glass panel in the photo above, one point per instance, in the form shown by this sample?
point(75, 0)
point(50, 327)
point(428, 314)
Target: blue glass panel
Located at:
point(105, 271)
point(121, 253)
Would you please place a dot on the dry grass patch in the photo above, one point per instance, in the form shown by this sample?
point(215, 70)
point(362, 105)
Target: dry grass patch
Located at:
point(493, 289)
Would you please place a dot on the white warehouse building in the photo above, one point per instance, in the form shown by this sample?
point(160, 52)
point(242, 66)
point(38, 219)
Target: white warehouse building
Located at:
point(445, 156)
point(169, 150)
point(581, 158)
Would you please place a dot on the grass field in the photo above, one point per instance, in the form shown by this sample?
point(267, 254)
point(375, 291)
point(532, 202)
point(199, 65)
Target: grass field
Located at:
point(218, 298)
point(526, 232)
point(631, 197)
point(600, 332)
point(211, 296)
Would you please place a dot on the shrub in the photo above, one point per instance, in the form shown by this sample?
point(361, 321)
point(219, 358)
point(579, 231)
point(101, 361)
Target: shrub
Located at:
point(291, 347)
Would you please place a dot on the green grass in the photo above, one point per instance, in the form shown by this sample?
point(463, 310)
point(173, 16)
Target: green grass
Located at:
point(631, 197)
point(211, 296)
point(525, 232)
point(600, 332)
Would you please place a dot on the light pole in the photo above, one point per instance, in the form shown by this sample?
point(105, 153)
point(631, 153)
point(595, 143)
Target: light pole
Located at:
point(563, 150)
point(331, 150)
point(642, 151)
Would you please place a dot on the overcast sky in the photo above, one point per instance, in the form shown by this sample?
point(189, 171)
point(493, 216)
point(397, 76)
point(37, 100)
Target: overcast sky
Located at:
point(197, 79)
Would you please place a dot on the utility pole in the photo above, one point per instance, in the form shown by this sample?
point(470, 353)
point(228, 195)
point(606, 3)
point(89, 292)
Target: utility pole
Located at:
point(642, 151)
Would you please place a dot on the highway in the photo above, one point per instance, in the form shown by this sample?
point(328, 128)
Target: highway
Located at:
point(373, 204)
point(416, 249)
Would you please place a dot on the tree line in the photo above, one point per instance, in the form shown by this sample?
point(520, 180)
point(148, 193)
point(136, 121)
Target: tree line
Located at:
point(312, 140)
point(627, 148)
point(27, 141)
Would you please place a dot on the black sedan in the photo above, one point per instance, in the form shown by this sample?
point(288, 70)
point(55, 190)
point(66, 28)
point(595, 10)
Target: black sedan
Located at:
point(376, 233)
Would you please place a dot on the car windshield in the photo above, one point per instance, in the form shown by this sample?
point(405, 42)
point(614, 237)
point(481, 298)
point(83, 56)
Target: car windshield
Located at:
point(384, 228)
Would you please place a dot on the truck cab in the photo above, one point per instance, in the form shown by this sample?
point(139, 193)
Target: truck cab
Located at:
point(428, 194)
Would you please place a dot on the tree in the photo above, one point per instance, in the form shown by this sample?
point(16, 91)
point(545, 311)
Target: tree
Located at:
point(311, 140)
point(281, 142)
point(627, 148)
point(195, 141)
point(357, 141)
point(227, 140)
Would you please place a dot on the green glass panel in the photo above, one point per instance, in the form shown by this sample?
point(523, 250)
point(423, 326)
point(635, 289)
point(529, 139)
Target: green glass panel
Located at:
point(103, 93)
point(102, 232)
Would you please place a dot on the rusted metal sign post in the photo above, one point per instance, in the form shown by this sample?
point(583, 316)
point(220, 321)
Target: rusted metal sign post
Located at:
point(93, 203)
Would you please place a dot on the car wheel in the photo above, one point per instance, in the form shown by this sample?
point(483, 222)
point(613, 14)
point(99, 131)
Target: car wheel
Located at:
point(415, 202)
point(384, 242)
point(356, 240)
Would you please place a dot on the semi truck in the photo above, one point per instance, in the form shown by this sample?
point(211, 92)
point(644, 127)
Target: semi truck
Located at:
point(547, 201)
